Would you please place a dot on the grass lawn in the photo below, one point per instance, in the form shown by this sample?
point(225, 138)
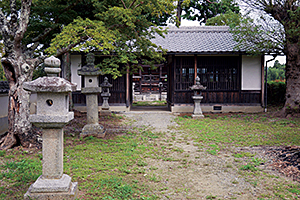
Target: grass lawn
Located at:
point(115, 167)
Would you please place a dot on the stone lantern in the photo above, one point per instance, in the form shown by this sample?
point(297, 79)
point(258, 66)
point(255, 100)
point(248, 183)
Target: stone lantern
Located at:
point(105, 95)
point(197, 113)
point(52, 115)
point(91, 90)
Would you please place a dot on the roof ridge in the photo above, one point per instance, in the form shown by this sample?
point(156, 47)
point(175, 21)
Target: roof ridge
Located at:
point(198, 28)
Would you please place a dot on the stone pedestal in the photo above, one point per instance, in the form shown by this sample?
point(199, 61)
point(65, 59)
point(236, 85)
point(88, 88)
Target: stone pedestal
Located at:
point(105, 110)
point(52, 115)
point(197, 113)
point(92, 128)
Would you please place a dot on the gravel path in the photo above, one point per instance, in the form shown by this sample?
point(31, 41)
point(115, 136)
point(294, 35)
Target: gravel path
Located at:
point(193, 173)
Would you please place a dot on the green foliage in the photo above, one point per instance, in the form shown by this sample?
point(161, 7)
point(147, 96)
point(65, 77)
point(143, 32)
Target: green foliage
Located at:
point(228, 19)
point(276, 92)
point(120, 31)
point(208, 9)
point(2, 74)
point(256, 38)
point(277, 72)
point(38, 72)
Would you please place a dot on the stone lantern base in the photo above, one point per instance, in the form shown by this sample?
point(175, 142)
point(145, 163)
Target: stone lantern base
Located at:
point(105, 112)
point(52, 189)
point(197, 114)
point(93, 130)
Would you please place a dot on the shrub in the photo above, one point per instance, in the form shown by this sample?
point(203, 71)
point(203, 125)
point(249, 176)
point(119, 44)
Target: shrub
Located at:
point(276, 92)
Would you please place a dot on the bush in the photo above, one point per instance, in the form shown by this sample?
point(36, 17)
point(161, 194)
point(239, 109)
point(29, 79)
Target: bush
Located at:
point(276, 92)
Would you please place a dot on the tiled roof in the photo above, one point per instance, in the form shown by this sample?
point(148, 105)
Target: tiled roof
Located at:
point(197, 39)
point(4, 87)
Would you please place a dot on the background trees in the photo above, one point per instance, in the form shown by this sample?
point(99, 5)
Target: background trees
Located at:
point(278, 31)
point(27, 28)
point(202, 10)
point(277, 72)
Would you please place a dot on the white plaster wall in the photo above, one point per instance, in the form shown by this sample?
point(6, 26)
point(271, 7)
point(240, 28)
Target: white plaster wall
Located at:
point(251, 73)
point(75, 65)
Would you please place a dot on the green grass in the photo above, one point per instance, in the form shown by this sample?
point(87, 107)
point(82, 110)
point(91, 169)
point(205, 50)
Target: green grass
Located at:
point(116, 168)
point(149, 103)
point(237, 130)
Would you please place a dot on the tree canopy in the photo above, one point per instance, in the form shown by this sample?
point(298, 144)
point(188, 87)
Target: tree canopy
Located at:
point(227, 19)
point(121, 30)
point(202, 10)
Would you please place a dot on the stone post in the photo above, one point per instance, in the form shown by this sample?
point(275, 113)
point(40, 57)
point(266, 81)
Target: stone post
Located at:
point(105, 96)
point(52, 115)
point(91, 90)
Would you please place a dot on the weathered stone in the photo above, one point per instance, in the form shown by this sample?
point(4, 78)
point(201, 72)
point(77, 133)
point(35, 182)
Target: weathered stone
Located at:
point(43, 184)
point(52, 115)
point(93, 130)
point(70, 195)
point(91, 89)
point(105, 110)
point(197, 113)
point(49, 84)
point(52, 153)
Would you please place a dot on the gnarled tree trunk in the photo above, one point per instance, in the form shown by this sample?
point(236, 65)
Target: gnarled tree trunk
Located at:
point(292, 103)
point(18, 71)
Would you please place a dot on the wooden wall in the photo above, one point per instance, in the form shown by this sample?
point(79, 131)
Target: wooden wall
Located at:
point(118, 92)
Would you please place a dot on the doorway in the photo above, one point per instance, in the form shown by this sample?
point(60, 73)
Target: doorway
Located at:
point(149, 88)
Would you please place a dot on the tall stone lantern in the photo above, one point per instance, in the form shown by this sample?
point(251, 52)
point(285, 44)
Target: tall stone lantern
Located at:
point(91, 90)
point(52, 115)
point(197, 113)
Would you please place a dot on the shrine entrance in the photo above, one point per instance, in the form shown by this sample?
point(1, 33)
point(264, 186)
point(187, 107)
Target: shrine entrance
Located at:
point(149, 87)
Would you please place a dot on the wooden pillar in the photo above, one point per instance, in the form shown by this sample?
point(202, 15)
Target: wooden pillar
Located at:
point(195, 70)
point(262, 81)
point(127, 88)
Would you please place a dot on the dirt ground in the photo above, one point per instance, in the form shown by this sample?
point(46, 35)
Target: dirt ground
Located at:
point(196, 174)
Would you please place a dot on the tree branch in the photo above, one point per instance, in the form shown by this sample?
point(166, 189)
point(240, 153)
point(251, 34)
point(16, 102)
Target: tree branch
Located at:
point(68, 48)
point(132, 3)
point(3, 25)
point(124, 4)
point(24, 20)
point(14, 15)
point(65, 10)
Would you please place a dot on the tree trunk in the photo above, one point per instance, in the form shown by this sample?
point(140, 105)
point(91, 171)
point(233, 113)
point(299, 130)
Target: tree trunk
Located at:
point(292, 103)
point(17, 72)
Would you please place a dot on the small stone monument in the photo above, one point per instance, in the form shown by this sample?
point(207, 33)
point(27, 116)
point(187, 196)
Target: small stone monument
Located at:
point(91, 89)
point(105, 96)
point(197, 98)
point(52, 115)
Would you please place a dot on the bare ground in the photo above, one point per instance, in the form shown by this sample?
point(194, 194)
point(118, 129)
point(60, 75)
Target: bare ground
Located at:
point(195, 174)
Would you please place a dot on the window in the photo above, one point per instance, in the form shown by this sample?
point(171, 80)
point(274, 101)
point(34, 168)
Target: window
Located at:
point(185, 72)
point(219, 73)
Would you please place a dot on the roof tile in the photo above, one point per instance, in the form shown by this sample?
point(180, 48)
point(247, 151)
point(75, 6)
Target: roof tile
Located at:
point(201, 39)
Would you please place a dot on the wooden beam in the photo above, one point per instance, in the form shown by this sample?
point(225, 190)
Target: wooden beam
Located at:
point(195, 72)
point(262, 81)
point(127, 88)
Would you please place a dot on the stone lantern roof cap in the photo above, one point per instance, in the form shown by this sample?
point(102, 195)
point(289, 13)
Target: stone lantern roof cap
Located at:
point(50, 84)
point(105, 83)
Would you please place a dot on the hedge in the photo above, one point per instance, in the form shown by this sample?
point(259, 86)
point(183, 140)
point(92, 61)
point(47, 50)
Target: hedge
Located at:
point(276, 92)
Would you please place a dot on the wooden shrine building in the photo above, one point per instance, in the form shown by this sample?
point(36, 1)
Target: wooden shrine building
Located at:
point(233, 79)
